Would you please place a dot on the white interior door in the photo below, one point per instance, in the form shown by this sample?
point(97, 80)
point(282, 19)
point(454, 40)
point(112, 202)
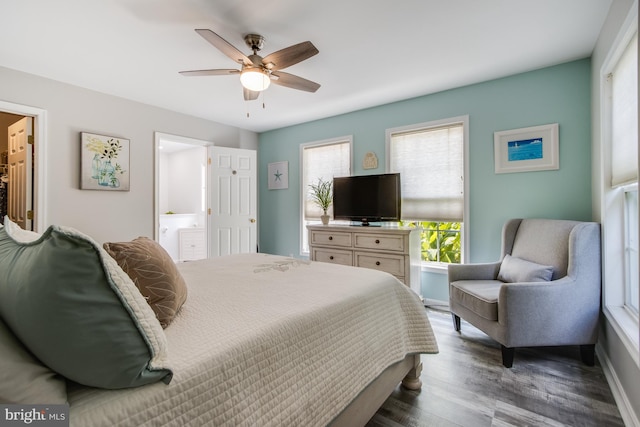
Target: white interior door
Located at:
point(20, 200)
point(233, 196)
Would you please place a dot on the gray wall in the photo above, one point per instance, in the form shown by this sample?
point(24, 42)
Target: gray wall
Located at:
point(105, 215)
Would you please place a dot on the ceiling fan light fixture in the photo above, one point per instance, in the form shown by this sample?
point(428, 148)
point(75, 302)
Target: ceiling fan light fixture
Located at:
point(255, 79)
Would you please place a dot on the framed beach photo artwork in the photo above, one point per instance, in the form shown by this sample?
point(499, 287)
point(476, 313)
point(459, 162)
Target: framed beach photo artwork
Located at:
point(104, 162)
point(278, 178)
point(527, 149)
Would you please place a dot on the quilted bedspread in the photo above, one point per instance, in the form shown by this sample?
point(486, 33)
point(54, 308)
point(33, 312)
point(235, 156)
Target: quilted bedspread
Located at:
point(265, 340)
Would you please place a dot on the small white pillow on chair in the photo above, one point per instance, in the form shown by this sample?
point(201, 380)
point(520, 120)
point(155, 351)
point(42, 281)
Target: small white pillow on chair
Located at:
point(515, 270)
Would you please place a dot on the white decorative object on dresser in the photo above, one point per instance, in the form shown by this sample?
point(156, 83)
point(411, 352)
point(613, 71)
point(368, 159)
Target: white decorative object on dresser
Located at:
point(395, 250)
point(193, 244)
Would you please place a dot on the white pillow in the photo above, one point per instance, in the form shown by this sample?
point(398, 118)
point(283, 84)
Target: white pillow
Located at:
point(18, 234)
point(516, 270)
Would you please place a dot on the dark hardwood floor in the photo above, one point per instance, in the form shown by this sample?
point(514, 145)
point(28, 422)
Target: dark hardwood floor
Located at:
point(466, 385)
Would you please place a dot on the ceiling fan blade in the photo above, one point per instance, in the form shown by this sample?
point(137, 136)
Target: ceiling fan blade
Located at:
point(289, 56)
point(294, 82)
point(224, 46)
point(250, 95)
point(220, 72)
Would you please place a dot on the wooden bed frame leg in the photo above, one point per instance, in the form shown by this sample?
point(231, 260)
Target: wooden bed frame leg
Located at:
point(412, 380)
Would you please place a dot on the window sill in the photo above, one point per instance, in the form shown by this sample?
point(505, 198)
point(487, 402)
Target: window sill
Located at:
point(435, 267)
point(626, 326)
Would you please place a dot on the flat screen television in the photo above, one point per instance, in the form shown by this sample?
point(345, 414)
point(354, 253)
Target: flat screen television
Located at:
point(367, 198)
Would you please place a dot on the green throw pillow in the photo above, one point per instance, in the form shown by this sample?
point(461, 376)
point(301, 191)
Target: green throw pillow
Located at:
point(75, 309)
point(23, 379)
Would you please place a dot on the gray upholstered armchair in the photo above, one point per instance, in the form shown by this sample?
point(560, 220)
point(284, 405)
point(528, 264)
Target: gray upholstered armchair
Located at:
point(545, 291)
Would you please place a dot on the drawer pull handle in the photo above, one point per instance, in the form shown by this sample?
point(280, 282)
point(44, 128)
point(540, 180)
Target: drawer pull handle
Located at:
point(330, 237)
point(377, 241)
point(377, 262)
point(331, 257)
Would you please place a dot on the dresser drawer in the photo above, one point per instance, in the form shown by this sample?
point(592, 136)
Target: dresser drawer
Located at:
point(334, 256)
point(331, 238)
point(379, 242)
point(393, 264)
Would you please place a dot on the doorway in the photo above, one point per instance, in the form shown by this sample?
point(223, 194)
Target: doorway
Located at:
point(10, 112)
point(206, 198)
point(181, 196)
point(6, 121)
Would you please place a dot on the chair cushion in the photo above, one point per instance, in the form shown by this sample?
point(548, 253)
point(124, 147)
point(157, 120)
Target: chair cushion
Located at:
point(154, 273)
point(74, 309)
point(479, 296)
point(516, 270)
point(23, 379)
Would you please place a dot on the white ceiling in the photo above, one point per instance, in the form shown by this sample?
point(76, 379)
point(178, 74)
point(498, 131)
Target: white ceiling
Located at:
point(372, 52)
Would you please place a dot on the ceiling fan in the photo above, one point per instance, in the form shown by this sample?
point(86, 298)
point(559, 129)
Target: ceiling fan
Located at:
point(256, 72)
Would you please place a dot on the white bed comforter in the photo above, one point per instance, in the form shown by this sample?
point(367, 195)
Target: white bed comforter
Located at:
point(264, 340)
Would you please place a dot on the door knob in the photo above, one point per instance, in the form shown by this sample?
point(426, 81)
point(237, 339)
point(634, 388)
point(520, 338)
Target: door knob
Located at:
point(252, 220)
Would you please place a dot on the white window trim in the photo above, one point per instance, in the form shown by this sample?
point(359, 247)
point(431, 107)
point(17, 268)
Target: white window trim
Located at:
point(435, 267)
point(620, 318)
point(347, 138)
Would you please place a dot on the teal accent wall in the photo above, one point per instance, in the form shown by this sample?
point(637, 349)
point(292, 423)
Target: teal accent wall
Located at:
point(559, 94)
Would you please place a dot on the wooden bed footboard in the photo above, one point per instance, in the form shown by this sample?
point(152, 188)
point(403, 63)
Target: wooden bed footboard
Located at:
point(364, 406)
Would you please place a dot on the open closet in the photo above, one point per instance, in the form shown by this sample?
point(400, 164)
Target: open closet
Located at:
point(4, 183)
point(16, 169)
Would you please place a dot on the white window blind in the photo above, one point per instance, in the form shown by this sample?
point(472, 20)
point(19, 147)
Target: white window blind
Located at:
point(430, 162)
point(323, 161)
point(624, 117)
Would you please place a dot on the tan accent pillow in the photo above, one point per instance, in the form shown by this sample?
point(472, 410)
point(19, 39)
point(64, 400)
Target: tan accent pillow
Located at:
point(154, 273)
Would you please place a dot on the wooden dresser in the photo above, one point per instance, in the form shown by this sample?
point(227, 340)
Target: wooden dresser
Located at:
point(395, 250)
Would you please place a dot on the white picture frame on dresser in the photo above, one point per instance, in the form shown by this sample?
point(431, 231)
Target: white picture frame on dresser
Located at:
point(395, 250)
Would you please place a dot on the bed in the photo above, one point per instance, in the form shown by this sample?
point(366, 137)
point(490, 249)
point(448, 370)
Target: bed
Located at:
point(273, 341)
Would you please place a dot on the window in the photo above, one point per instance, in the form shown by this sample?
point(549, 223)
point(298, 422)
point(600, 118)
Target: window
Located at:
point(620, 186)
point(631, 249)
point(430, 159)
point(323, 159)
point(624, 160)
point(441, 242)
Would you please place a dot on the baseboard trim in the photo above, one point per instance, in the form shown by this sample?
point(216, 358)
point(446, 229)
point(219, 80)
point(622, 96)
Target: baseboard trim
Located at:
point(629, 417)
point(436, 304)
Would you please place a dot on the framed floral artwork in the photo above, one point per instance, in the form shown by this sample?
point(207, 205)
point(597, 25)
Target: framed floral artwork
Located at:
point(104, 162)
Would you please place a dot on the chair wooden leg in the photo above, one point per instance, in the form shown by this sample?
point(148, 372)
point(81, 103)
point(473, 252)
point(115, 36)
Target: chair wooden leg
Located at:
point(456, 322)
point(507, 356)
point(588, 354)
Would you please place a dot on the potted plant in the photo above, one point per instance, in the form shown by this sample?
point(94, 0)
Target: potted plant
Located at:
point(321, 196)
